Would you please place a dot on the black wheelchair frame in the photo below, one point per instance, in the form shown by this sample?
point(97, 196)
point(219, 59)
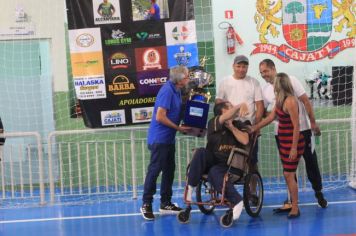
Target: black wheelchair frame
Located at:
point(207, 198)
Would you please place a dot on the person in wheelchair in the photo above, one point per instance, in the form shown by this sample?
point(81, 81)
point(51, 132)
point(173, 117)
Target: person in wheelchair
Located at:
point(224, 133)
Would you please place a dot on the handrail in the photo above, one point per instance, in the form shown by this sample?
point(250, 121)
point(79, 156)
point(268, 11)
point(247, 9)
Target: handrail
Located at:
point(85, 131)
point(50, 142)
point(40, 156)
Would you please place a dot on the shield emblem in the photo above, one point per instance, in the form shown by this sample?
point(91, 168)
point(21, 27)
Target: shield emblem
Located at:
point(307, 24)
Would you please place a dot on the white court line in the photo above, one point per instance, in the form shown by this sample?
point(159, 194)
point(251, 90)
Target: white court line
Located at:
point(137, 214)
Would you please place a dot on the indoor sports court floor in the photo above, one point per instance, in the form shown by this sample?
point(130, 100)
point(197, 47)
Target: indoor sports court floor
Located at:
point(123, 218)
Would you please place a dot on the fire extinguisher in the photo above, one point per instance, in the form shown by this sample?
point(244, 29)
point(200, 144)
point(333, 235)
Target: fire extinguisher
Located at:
point(231, 38)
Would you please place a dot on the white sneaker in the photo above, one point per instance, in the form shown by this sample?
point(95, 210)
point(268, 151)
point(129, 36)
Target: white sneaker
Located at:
point(189, 195)
point(236, 211)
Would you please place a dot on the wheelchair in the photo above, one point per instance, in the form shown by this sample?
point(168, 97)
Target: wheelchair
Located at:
point(207, 198)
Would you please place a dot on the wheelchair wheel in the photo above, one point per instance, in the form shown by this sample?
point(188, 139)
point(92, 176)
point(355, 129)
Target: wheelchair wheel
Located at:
point(184, 216)
point(253, 194)
point(226, 220)
point(204, 194)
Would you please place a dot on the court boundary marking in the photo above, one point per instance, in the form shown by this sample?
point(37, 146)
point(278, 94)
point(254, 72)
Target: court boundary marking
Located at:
point(137, 214)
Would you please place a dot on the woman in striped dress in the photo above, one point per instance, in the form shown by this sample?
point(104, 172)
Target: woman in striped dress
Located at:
point(291, 142)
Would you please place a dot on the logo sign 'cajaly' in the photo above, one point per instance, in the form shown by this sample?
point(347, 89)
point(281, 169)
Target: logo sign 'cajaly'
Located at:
point(307, 28)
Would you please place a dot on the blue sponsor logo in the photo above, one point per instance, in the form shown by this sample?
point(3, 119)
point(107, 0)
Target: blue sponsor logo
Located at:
point(112, 118)
point(149, 82)
point(88, 82)
point(184, 54)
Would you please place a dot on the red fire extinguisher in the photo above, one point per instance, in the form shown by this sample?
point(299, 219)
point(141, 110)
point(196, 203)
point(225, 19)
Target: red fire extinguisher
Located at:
point(231, 38)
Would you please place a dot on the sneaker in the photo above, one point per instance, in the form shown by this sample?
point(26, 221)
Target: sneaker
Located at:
point(321, 200)
point(236, 211)
point(190, 191)
point(169, 209)
point(146, 211)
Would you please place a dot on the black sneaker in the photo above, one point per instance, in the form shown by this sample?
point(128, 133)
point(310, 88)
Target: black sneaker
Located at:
point(321, 200)
point(146, 211)
point(169, 209)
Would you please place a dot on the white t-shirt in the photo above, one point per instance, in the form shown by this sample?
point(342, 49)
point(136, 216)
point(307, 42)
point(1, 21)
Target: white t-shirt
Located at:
point(237, 91)
point(269, 100)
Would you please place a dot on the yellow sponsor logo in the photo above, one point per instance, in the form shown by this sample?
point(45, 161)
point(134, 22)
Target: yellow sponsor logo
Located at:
point(137, 101)
point(87, 64)
point(121, 85)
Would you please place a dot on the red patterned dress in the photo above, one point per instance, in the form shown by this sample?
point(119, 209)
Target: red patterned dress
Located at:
point(285, 138)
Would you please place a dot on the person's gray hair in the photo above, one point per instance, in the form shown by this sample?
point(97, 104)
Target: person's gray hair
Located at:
point(178, 73)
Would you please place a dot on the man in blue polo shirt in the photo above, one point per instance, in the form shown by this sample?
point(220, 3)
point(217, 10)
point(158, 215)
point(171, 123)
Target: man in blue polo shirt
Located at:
point(154, 11)
point(161, 142)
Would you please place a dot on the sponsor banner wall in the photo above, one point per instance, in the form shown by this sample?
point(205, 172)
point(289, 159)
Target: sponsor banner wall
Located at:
point(121, 55)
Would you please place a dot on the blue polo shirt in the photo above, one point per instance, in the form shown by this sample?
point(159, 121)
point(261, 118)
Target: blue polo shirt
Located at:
point(169, 98)
point(157, 15)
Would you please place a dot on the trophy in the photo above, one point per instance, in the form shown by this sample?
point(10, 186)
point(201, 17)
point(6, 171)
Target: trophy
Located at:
point(197, 105)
